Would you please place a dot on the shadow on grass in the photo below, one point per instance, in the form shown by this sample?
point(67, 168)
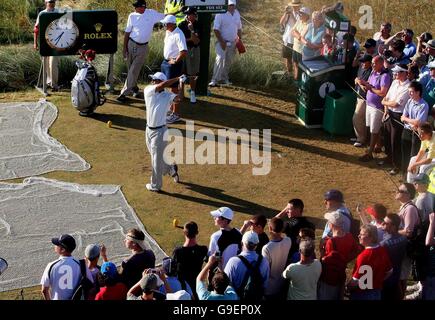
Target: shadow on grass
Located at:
point(220, 199)
point(119, 120)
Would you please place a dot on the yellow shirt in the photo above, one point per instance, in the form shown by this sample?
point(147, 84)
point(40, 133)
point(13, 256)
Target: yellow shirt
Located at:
point(430, 146)
point(301, 27)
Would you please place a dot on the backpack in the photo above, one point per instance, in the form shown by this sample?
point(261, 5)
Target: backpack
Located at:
point(355, 226)
point(82, 290)
point(333, 267)
point(416, 248)
point(85, 91)
point(252, 287)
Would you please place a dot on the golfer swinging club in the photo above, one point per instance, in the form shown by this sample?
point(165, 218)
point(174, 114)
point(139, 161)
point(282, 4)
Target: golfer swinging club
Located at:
point(158, 102)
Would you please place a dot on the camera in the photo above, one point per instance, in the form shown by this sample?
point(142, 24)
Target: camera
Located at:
point(154, 270)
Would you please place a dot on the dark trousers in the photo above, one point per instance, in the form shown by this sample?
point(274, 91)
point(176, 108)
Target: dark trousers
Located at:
point(410, 146)
point(393, 138)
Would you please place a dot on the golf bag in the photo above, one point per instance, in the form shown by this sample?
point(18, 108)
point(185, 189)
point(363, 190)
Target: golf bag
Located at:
point(85, 89)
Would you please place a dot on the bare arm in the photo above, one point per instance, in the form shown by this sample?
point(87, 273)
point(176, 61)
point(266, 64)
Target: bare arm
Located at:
point(166, 83)
point(430, 241)
point(392, 38)
point(362, 215)
point(103, 253)
point(283, 212)
point(46, 293)
point(239, 34)
point(284, 19)
point(246, 225)
point(202, 276)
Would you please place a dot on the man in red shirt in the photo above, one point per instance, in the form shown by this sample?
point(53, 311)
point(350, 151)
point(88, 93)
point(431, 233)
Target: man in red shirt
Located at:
point(372, 267)
point(336, 252)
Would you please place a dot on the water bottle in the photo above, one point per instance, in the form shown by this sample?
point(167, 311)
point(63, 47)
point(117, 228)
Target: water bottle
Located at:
point(3, 265)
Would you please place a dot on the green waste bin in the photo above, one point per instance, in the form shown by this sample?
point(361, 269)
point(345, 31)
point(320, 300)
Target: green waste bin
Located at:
point(318, 77)
point(338, 112)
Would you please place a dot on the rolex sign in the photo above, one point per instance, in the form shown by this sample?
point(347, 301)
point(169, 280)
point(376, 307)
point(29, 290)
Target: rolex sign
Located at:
point(64, 33)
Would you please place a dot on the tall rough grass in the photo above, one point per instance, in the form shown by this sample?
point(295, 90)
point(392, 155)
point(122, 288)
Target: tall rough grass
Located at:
point(253, 68)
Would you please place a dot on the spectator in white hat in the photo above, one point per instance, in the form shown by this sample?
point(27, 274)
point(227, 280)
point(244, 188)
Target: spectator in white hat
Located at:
point(174, 52)
point(227, 28)
point(394, 104)
point(236, 268)
point(298, 32)
point(225, 241)
point(52, 63)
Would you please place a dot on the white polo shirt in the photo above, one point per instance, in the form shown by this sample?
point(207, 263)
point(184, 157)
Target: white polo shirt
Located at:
point(157, 105)
point(43, 11)
point(63, 278)
point(175, 42)
point(399, 93)
point(287, 36)
point(228, 24)
point(141, 26)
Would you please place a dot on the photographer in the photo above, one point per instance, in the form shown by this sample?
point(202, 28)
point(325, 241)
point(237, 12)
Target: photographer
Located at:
point(169, 268)
point(287, 22)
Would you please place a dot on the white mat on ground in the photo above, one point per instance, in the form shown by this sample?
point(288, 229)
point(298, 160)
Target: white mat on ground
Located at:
point(26, 149)
point(39, 209)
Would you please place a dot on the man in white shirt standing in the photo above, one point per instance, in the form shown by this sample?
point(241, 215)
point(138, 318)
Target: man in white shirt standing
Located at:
point(287, 22)
point(51, 63)
point(61, 277)
point(137, 35)
point(227, 28)
point(394, 103)
point(157, 103)
point(174, 51)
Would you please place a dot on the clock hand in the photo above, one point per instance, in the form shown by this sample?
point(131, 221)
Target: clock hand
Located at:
point(58, 38)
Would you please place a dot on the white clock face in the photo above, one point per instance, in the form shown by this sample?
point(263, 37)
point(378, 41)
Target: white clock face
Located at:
point(61, 34)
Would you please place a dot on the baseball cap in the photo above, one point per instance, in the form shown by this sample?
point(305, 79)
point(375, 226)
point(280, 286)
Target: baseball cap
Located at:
point(109, 269)
point(377, 211)
point(370, 43)
point(190, 10)
point(169, 19)
point(431, 65)
point(65, 241)
point(430, 43)
point(365, 58)
point(232, 2)
point(92, 251)
point(421, 178)
point(250, 237)
point(158, 76)
point(305, 10)
point(150, 282)
point(335, 217)
point(334, 195)
point(295, 3)
point(223, 212)
point(399, 68)
point(179, 295)
point(50, 1)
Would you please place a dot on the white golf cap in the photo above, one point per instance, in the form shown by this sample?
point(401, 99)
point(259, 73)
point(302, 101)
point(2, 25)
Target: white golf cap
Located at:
point(398, 68)
point(431, 65)
point(158, 76)
point(169, 19)
point(179, 295)
point(232, 2)
point(223, 212)
point(305, 10)
point(250, 237)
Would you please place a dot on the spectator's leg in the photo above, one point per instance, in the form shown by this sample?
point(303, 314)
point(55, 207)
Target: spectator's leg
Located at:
point(359, 121)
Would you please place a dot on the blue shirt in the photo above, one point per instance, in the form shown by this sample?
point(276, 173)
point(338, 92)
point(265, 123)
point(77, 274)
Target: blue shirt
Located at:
point(429, 92)
point(424, 76)
point(410, 50)
point(236, 269)
point(347, 222)
point(175, 285)
point(204, 294)
point(315, 37)
point(416, 110)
